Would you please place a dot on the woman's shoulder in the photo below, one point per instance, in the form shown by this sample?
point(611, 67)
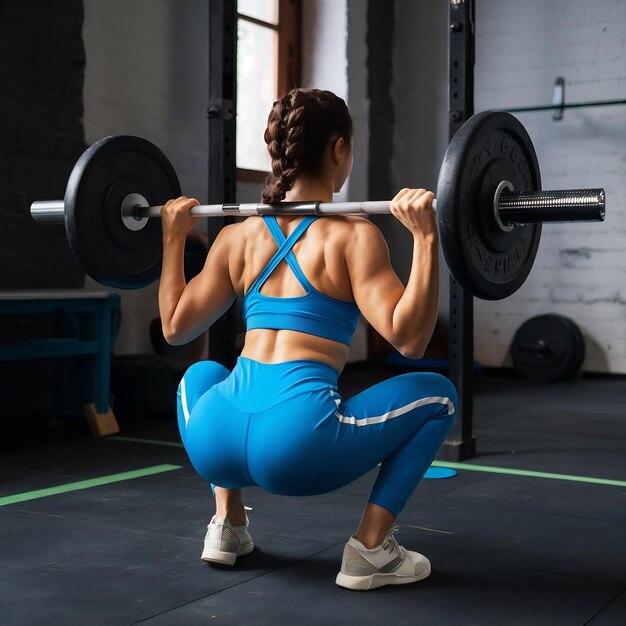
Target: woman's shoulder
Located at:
point(349, 224)
point(360, 230)
point(328, 227)
point(238, 231)
point(351, 238)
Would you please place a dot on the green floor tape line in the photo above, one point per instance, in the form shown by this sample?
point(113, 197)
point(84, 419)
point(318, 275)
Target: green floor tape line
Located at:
point(87, 484)
point(155, 442)
point(529, 473)
point(457, 466)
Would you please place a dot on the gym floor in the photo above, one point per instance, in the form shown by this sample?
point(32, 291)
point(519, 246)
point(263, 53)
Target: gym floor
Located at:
point(506, 547)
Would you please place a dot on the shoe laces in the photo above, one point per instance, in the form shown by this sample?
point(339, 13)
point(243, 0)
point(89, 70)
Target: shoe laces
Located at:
point(390, 542)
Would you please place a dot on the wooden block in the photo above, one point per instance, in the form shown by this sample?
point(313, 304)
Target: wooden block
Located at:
point(101, 424)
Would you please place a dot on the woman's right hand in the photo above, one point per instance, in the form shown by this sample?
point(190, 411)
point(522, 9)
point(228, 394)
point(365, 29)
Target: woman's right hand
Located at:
point(176, 218)
point(414, 209)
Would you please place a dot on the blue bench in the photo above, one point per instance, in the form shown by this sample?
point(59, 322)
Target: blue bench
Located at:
point(85, 322)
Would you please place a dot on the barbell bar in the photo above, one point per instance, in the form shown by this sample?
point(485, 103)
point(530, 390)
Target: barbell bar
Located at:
point(511, 208)
point(489, 207)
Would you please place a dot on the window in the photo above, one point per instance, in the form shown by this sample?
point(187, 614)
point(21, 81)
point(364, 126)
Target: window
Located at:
point(268, 65)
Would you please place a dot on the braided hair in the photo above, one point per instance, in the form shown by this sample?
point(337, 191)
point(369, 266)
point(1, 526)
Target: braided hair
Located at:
point(299, 127)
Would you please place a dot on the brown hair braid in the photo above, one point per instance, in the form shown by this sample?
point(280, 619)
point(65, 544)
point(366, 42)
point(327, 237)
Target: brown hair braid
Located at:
point(299, 127)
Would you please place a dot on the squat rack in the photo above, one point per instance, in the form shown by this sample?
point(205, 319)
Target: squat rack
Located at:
point(222, 170)
point(221, 113)
point(461, 443)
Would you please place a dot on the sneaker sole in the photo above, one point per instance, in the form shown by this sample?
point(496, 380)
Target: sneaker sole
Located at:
point(226, 558)
point(364, 583)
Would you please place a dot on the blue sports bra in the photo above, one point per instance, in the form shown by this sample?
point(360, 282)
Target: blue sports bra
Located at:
point(313, 313)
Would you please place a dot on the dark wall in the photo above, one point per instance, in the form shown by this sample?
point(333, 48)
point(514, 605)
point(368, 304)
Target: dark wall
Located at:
point(380, 40)
point(42, 63)
point(380, 20)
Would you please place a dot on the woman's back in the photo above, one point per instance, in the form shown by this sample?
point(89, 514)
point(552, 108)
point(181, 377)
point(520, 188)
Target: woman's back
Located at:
point(321, 254)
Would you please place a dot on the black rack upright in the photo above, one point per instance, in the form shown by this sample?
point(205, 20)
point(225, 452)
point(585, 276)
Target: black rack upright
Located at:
point(222, 164)
point(461, 443)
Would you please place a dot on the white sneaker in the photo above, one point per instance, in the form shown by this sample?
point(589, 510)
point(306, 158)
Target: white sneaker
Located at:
point(387, 564)
point(224, 542)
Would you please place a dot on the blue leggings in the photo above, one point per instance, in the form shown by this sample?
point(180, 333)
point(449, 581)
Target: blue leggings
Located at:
point(284, 427)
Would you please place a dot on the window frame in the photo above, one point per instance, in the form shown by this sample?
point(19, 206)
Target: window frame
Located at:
point(288, 67)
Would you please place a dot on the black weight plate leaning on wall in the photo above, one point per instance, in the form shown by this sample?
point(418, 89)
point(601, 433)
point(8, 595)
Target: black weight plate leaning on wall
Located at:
point(547, 348)
point(579, 344)
point(110, 169)
point(484, 259)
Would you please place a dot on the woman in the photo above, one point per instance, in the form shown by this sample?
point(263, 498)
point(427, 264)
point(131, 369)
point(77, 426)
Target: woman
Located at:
point(277, 420)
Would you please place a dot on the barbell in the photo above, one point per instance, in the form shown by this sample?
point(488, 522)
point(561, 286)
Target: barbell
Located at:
point(489, 207)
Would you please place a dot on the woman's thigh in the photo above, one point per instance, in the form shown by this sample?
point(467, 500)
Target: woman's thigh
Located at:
point(380, 419)
point(315, 442)
point(386, 403)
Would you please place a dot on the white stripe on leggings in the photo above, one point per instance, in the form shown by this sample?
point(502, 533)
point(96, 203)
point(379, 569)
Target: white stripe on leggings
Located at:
point(183, 400)
point(367, 421)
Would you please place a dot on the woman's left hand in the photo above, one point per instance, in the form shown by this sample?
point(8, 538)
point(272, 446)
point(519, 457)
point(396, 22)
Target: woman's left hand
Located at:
point(175, 217)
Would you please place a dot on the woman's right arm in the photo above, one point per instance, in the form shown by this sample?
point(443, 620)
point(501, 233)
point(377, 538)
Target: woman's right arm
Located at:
point(404, 316)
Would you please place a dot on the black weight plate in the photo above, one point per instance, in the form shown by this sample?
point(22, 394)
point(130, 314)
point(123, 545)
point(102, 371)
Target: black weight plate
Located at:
point(484, 259)
point(547, 348)
point(579, 345)
point(106, 172)
point(574, 357)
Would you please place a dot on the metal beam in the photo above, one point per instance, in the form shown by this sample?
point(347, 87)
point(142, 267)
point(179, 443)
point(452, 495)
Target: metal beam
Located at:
point(461, 443)
point(221, 114)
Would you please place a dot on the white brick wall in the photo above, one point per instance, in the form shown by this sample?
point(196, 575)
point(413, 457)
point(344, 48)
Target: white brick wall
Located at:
point(580, 270)
point(521, 48)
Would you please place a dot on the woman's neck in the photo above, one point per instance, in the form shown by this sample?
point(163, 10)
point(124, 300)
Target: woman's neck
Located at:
point(307, 189)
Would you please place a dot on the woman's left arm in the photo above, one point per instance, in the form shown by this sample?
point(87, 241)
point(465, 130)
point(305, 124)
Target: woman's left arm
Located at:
point(187, 310)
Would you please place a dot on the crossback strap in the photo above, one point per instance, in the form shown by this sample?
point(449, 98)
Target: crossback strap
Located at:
point(284, 250)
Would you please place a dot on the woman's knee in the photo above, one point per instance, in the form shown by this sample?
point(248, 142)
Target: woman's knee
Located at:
point(447, 388)
point(434, 385)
